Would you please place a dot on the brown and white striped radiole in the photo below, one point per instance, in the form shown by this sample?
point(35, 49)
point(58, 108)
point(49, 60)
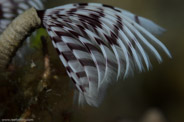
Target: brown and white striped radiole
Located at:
point(99, 43)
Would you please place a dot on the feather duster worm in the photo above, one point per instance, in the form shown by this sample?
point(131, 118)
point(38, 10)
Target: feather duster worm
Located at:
point(99, 43)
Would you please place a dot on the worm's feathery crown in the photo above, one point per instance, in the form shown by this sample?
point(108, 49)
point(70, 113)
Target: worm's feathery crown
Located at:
point(99, 43)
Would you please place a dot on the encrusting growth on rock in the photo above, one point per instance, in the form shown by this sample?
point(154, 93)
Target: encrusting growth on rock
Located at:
point(15, 33)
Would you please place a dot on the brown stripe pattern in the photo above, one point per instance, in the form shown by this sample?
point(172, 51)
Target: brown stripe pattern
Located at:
point(99, 43)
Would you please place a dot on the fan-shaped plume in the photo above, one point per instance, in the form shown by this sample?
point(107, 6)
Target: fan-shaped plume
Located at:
point(98, 43)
